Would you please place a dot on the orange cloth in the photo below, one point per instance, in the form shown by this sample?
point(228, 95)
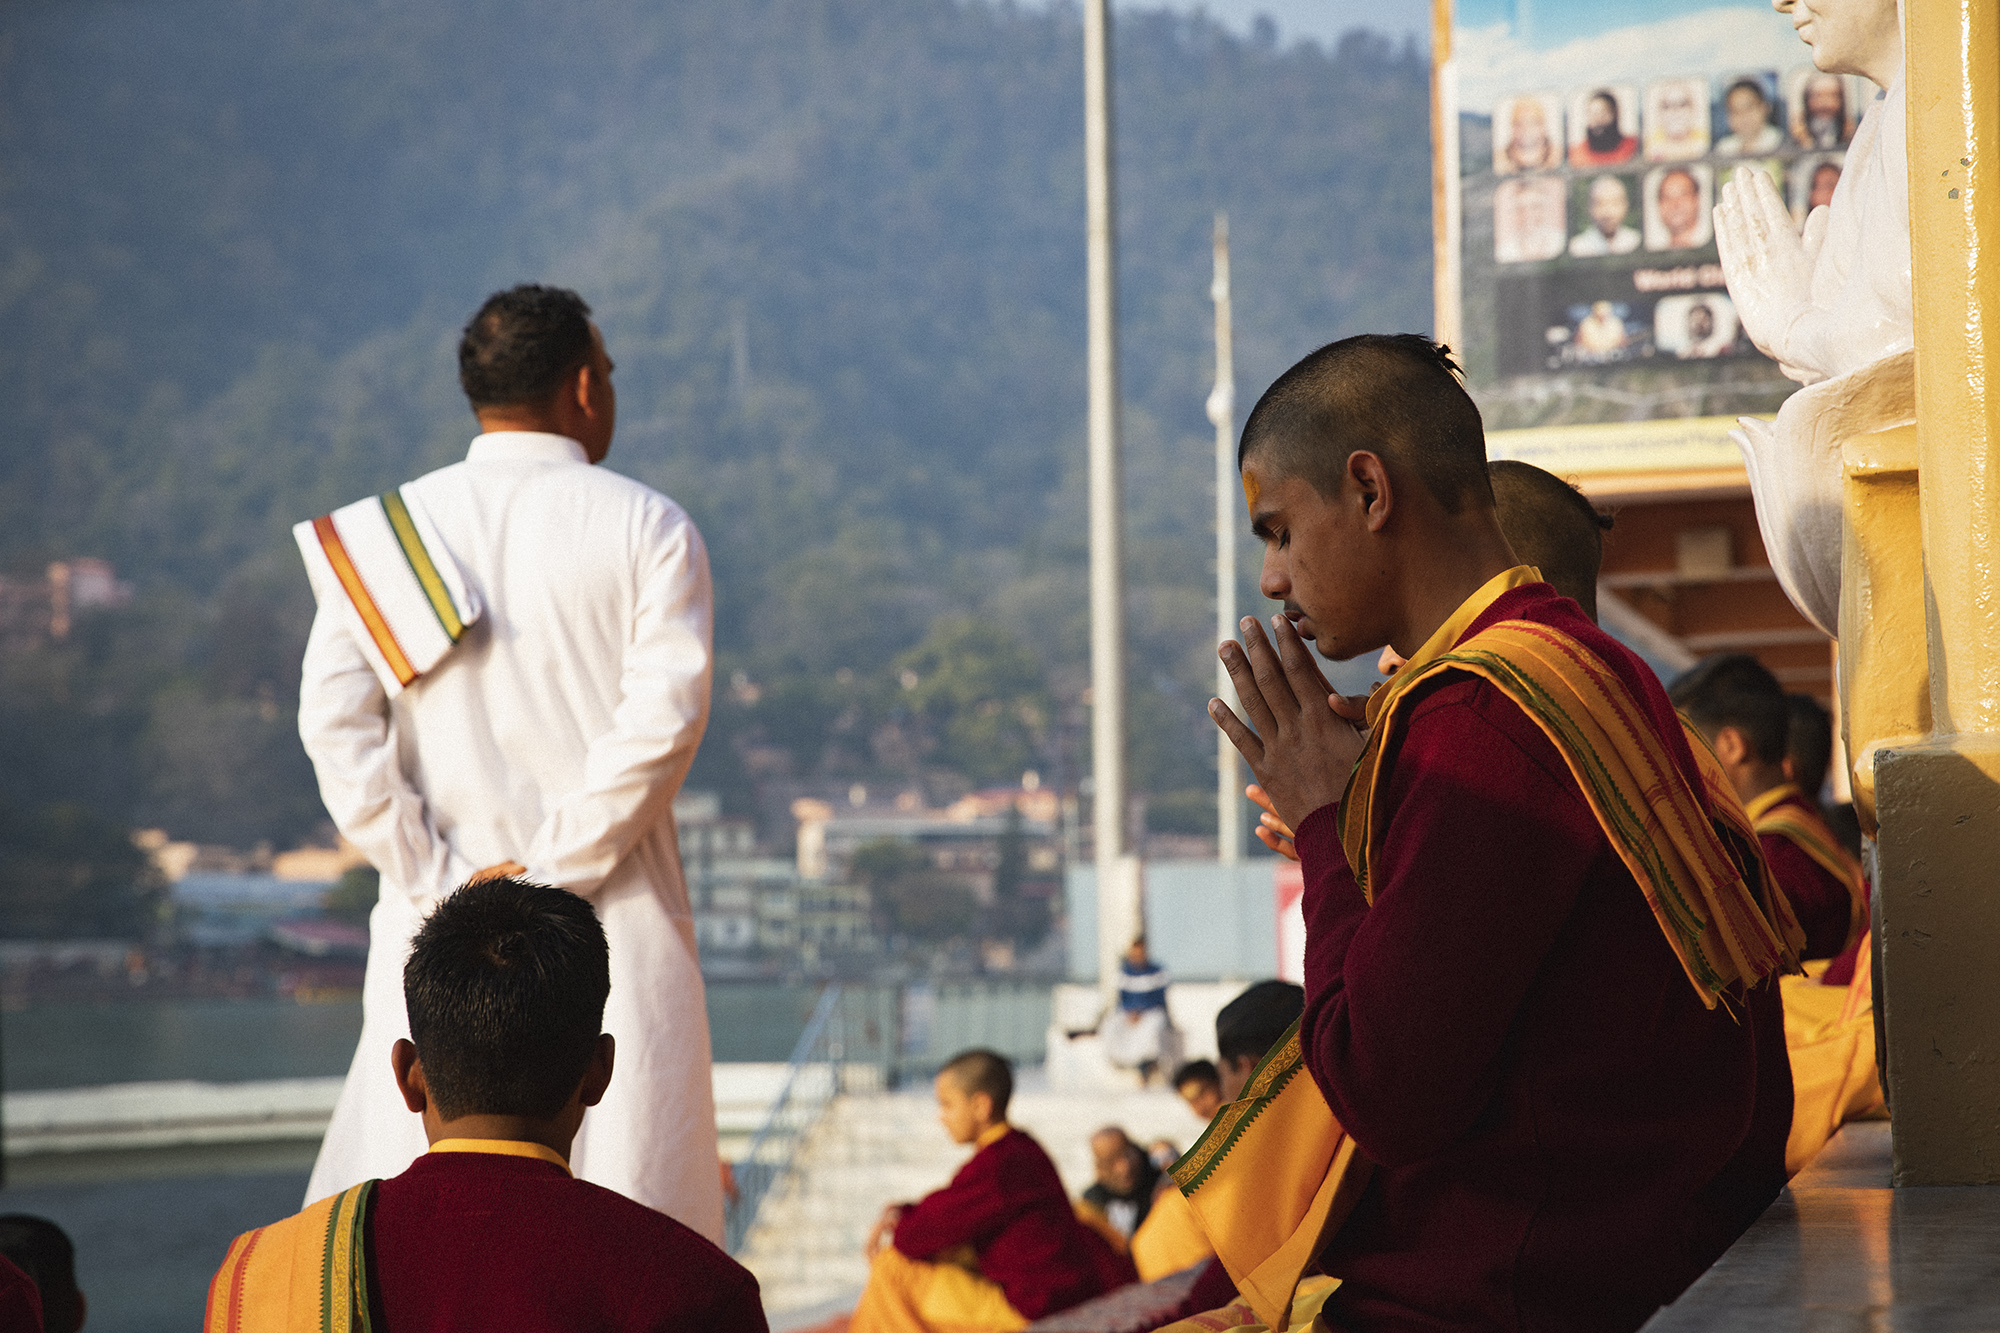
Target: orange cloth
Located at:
point(306, 1274)
point(1170, 1239)
point(906, 1295)
point(1830, 1034)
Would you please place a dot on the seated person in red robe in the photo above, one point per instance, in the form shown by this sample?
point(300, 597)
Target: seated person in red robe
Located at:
point(1739, 707)
point(505, 985)
point(1248, 1026)
point(1569, 1107)
point(43, 1250)
point(998, 1247)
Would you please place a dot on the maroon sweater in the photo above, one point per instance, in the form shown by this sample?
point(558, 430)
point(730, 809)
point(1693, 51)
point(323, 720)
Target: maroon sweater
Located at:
point(481, 1241)
point(1565, 1137)
point(1822, 903)
point(1009, 1205)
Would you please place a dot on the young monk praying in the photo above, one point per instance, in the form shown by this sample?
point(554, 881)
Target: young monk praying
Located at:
point(505, 985)
point(1742, 711)
point(998, 1247)
point(1539, 935)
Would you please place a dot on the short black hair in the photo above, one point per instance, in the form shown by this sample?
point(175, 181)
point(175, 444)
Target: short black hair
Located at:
point(1747, 85)
point(1551, 525)
point(505, 985)
point(1808, 743)
point(1251, 1023)
point(1197, 1071)
point(522, 345)
point(1736, 690)
point(981, 1070)
point(1396, 394)
point(42, 1250)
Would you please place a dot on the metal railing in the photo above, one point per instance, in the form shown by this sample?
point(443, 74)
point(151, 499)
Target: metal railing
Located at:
point(812, 1078)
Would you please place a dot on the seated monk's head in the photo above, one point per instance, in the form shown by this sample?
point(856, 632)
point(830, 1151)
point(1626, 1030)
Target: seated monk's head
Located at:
point(1200, 1086)
point(1739, 708)
point(1249, 1026)
point(1365, 469)
point(1119, 1161)
point(1552, 526)
point(1808, 744)
point(505, 987)
point(42, 1250)
point(973, 1090)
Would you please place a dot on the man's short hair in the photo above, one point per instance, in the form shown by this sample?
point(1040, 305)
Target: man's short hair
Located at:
point(42, 1250)
point(1551, 525)
point(1398, 395)
point(1808, 742)
point(1751, 86)
point(1251, 1023)
point(523, 345)
point(981, 1070)
point(1197, 1071)
point(1736, 690)
point(505, 986)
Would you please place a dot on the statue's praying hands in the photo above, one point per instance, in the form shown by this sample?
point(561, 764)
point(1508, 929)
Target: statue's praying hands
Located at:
point(1769, 267)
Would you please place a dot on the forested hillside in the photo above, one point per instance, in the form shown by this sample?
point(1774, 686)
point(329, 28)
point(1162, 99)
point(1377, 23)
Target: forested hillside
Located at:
point(836, 247)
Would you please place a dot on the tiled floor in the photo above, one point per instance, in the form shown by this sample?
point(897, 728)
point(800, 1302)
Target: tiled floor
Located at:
point(1840, 1250)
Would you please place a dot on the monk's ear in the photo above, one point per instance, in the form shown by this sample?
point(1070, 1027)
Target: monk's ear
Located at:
point(1730, 746)
point(409, 1075)
point(1369, 480)
point(597, 1077)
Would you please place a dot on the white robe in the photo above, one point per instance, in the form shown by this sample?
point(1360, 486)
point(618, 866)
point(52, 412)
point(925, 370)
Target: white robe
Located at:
point(556, 735)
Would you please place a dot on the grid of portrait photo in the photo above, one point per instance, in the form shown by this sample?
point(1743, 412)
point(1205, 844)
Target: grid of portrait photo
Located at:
point(1603, 199)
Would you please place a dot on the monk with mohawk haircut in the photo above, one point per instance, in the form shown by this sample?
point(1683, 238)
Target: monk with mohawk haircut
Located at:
point(1548, 1081)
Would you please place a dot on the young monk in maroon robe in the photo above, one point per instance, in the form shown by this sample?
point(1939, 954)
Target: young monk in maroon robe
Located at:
point(998, 1247)
point(1741, 709)
point(505, 985)
point(1564, 1131)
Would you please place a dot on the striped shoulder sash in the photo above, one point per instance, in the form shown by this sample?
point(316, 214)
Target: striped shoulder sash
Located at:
point(306, 1274)
point(1726, 921)
point(382, 561)
point(1809, 833)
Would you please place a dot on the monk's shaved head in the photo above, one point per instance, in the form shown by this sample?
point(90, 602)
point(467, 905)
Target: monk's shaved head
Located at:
point(1396, 395)
point(983, 1071)
point(1552, 526)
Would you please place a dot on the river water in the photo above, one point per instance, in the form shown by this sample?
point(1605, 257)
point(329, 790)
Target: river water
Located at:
point(230, 1041)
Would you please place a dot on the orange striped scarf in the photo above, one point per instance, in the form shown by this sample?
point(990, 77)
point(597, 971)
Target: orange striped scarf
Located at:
point(306, 1274)
point(1275, 1174)
point(1770, 812)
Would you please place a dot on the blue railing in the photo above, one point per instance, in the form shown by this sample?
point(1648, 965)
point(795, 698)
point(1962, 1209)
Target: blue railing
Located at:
point(811, 1079)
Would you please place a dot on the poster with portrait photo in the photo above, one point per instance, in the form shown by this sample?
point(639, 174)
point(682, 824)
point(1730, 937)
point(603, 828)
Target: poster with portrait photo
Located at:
point(1698, 326)
point(1676, 119)
point(1530, 222)
point(1527, 133)
point(1679, 203)
point(1598, 333)
point(1603, 125)
point(1604, 207)
point(1747, 114)
point(1822, 110)
point(1813, 178)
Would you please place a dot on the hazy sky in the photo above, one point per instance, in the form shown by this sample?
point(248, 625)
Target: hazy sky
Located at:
point(1321, 19)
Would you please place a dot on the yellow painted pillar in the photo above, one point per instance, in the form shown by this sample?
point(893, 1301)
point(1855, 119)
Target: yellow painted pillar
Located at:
point(1938, 801)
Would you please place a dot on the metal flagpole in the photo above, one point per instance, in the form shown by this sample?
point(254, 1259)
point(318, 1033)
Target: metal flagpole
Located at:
point(1118, 879)
point(1222, 411)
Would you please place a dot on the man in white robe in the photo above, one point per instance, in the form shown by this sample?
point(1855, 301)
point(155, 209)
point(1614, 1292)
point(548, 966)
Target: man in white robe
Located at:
point(549, 740)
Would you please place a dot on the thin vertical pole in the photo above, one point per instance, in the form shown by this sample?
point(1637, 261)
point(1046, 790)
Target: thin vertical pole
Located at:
point(1117, 913)
point(1222, 411)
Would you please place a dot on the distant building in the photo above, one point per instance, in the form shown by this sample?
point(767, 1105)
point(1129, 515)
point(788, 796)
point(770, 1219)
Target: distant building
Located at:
point(964, 841)
point(39, 610)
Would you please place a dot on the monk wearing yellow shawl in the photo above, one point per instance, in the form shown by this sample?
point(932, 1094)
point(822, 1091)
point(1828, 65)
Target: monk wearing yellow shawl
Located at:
point(1540, 1081)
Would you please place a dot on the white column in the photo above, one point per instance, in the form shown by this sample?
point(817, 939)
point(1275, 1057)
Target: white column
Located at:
point(1118, 881)
point(1222, 411)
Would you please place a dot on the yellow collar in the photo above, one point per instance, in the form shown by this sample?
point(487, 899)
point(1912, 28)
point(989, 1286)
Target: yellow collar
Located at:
point(1448, 634)
point(993, 1135)
point(503, 1148)
point(1758, 805)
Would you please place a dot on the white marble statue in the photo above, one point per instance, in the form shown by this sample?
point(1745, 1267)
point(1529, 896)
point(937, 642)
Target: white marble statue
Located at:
point(1831, 306)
